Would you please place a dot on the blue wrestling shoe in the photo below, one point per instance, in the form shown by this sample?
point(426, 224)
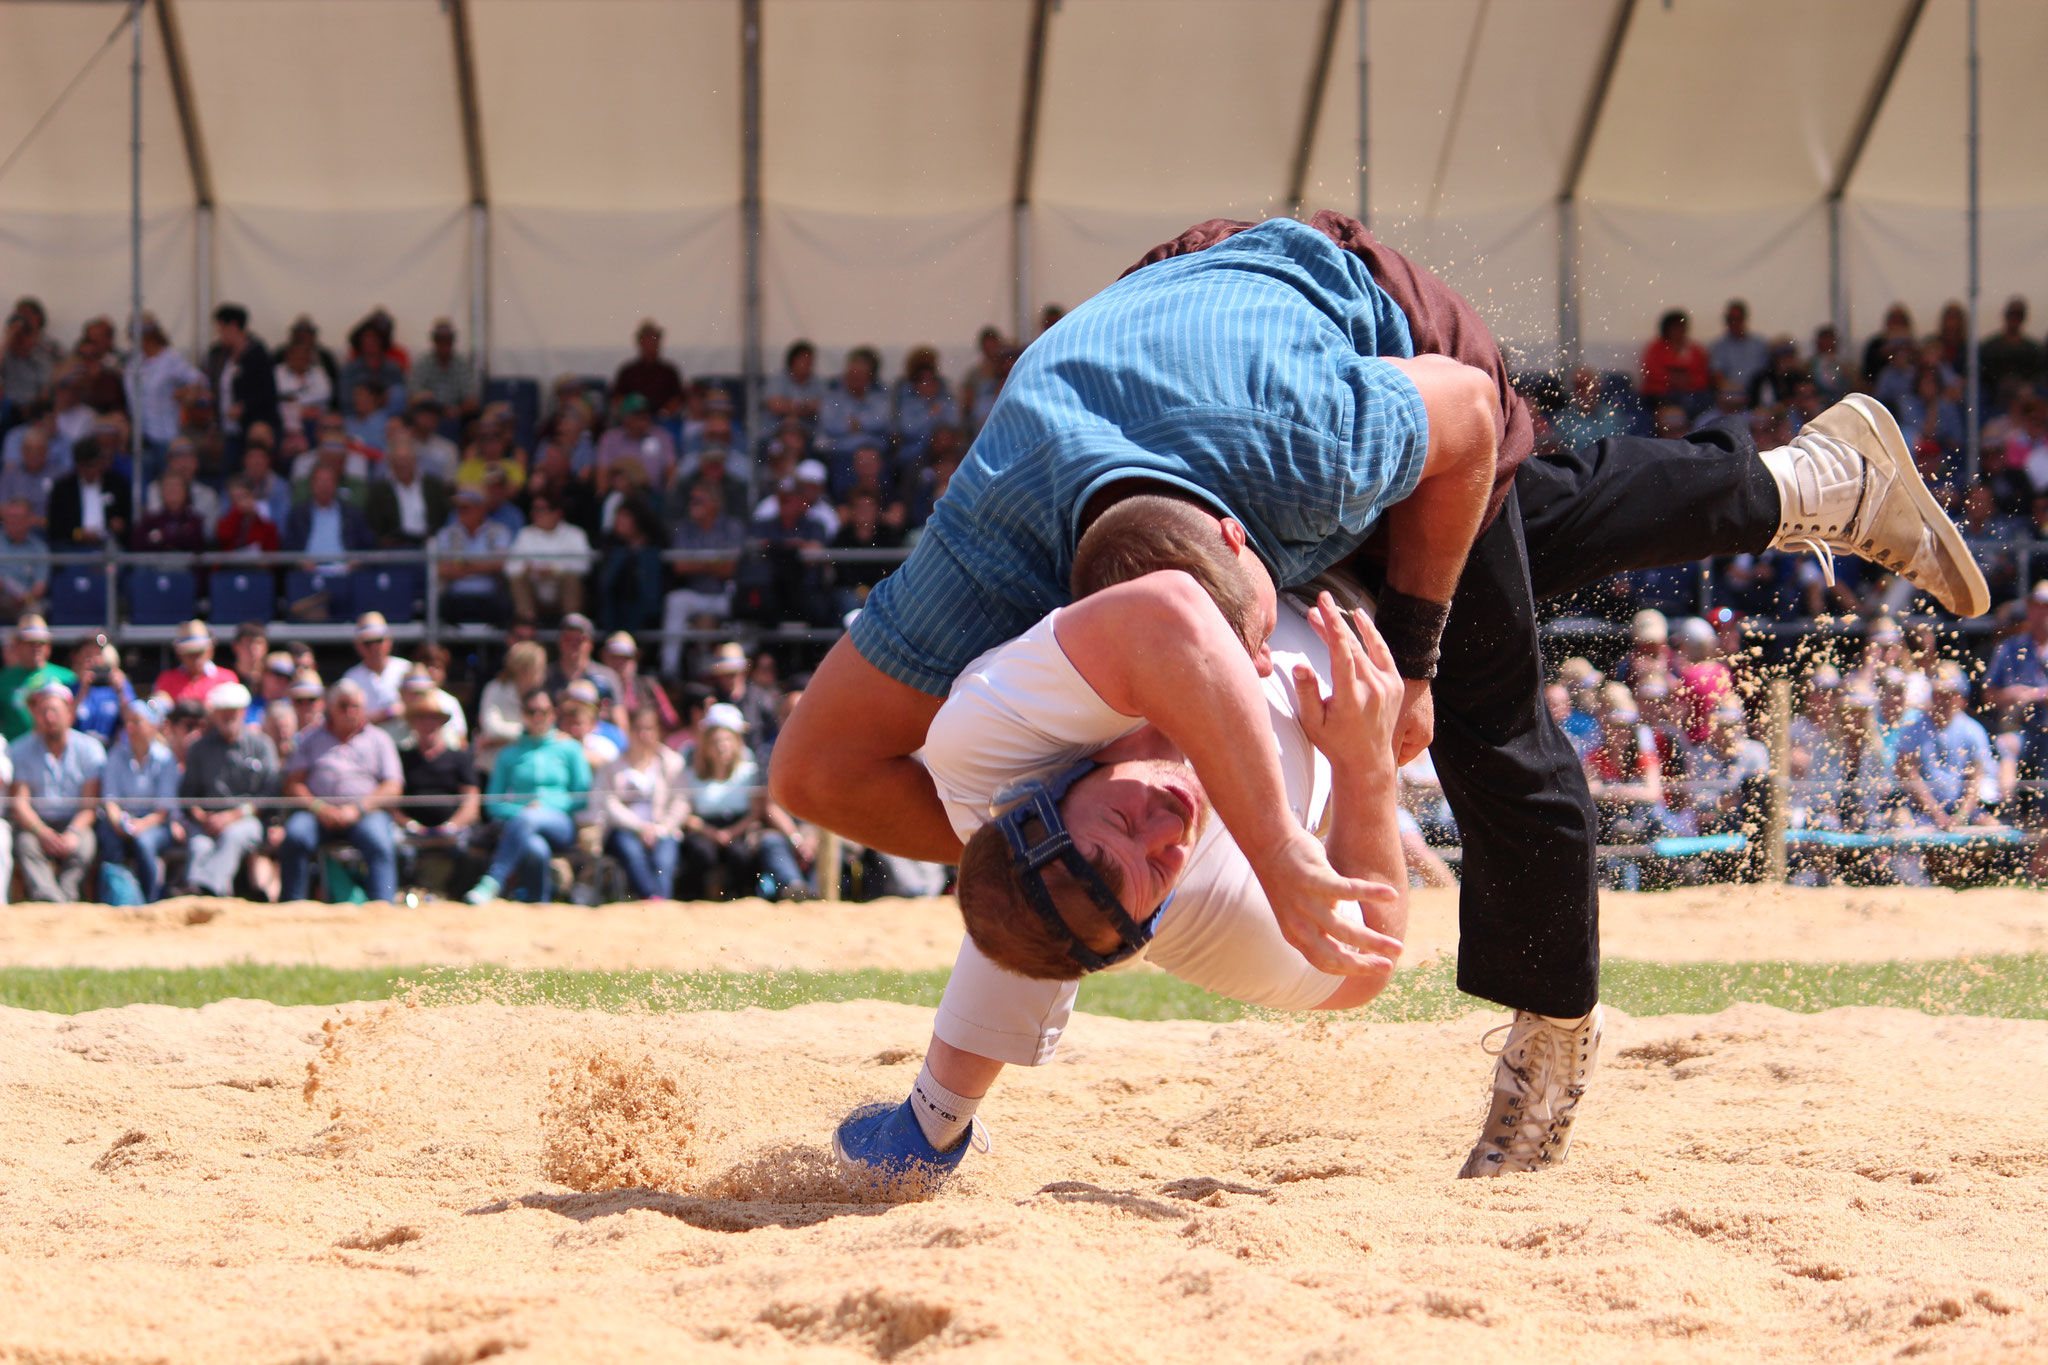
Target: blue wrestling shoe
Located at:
point(884, 1139)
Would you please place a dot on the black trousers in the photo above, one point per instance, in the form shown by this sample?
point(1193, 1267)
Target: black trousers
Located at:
point(1528, 913)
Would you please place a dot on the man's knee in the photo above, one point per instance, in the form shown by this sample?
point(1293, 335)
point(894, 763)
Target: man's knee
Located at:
point(374, 836)
point(301, 833)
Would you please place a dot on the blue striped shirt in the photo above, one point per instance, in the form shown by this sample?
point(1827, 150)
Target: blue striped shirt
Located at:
point(1247, 375)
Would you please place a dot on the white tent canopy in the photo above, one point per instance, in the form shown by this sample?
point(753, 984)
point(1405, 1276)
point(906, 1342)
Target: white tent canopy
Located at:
point(319, 160)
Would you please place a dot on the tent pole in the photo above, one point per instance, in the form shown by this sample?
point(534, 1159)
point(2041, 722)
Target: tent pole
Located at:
point(1364, 120)
point(1838, 298)
point(750, 228)
point(1020, 247)
point(202, 274)
point(480, 287)
point(1971, 452)
point(1027, 160)
point(135, 247)
point(1852, 156)
point(1568, 302)
point(1571, 349)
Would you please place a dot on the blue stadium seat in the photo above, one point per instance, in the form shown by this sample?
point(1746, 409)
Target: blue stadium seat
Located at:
point(340, 589)
point(162, 597)
point(78, 593)
point(523, 394)
point(389, 588)
point(239, 595)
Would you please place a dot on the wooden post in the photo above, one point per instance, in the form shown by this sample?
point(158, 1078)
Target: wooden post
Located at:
point(1779, 738)
point(828, 865)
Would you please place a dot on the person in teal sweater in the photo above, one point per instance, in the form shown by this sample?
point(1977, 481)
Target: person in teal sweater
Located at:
point(538, 784)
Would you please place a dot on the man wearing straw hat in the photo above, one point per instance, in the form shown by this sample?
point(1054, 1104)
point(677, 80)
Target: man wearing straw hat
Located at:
point(28, 668)
point(379, 674)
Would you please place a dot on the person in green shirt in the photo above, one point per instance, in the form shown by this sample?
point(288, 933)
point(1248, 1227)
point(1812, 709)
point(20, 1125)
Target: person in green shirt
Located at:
point(539, 782)
point(28, 667)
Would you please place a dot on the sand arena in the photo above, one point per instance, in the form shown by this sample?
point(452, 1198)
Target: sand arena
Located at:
point(393, 1182)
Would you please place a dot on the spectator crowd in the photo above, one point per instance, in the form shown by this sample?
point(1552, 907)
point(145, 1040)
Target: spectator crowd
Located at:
point(607, 511)
point(579, 776)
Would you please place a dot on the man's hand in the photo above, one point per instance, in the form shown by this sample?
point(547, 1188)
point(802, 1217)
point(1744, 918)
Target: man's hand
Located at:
point(650, 836)
point(1417, 725)
point(1355, 723)
point(52, 842)
point(1306, 895)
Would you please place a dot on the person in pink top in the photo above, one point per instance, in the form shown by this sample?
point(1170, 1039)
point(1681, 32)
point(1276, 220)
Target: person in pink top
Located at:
point(196, 674)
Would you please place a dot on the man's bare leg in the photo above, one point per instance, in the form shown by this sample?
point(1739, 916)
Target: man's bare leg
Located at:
point(843, 760)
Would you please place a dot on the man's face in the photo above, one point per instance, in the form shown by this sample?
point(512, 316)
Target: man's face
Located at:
point(15, 517)
point(471, 515)
point(401, 459)
point(2037, 619)
point(649, 342)
point(325, 484)
point(426, 732)
point(1143, 816)
point(227, 722)
point(636, 423)
point(1265, 612)
point(52, 714)
point(1558, 701)
point(344, 715)
point(365, 400)
point(444, 343)
point(375, 653)
point(577, 719)
point(575, 644)
point(35, 450)
point(33, 653)
point(703, 508)
point(546, 515)
point(194, 657)
point(1738, 319)
point(801, 365)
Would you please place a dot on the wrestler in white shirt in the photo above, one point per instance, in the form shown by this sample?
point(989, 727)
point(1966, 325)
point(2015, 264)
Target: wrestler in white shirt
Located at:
point(1025, 708)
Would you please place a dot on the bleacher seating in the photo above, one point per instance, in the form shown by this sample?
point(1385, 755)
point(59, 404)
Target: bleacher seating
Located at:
point(162, 597)
point(78, 593)
point(300, 586)
point(392, 589)
point(242, 595)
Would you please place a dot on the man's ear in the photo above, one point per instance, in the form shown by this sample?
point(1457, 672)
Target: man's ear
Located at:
point(1234, 534)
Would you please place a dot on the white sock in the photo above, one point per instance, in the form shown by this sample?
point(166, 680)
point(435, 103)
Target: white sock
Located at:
point(943, 1115)
point(1792, 502)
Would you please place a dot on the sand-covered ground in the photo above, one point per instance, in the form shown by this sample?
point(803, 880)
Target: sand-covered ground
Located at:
point(388, 1183)
point(1730, 923)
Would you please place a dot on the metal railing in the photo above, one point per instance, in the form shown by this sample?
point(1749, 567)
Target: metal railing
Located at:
point(430, 556)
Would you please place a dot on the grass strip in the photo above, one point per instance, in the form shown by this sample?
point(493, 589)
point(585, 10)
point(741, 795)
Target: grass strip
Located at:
point(2011, 986)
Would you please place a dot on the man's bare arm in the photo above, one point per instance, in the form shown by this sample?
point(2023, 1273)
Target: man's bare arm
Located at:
point(843, 760)
point(1158, 647)
point(1365, 826)
point(1430, 532)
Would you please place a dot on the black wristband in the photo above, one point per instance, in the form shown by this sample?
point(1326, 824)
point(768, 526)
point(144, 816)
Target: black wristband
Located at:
point(1413, 629)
